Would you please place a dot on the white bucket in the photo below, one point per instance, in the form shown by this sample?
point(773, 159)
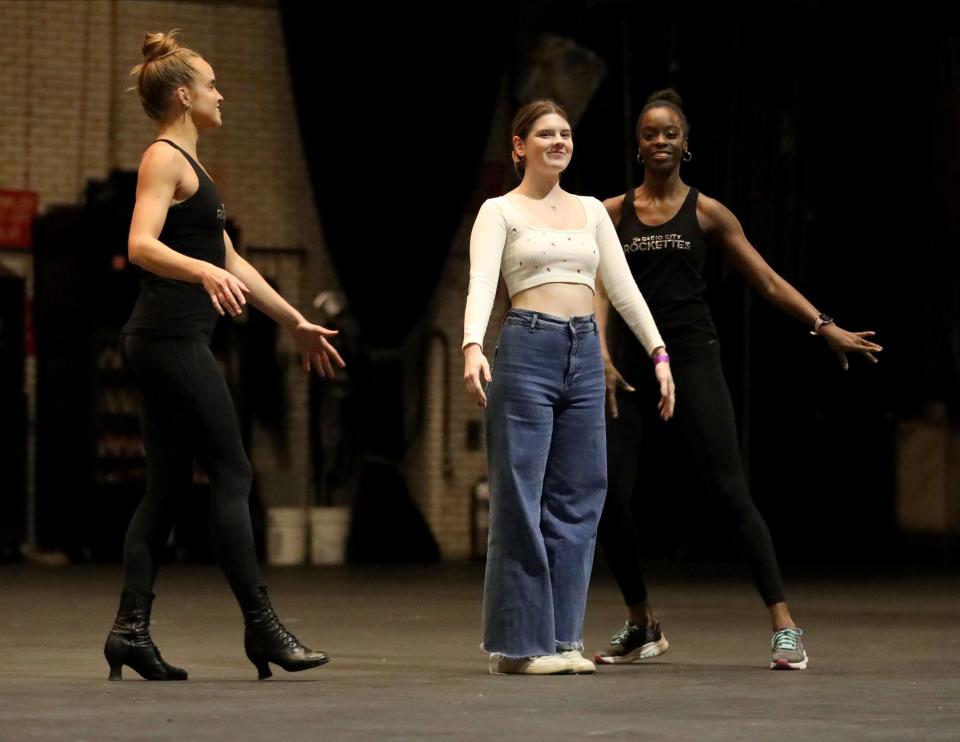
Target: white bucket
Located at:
point(286, 536)
point(328, 535)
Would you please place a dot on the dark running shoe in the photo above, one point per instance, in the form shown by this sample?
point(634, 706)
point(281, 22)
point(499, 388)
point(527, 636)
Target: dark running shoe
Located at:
point(633, 643)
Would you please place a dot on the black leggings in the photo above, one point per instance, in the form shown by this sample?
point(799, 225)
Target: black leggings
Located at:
point(705, 423)
point(187, 414)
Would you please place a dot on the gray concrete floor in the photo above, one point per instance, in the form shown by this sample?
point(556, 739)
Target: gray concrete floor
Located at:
point(406, 662)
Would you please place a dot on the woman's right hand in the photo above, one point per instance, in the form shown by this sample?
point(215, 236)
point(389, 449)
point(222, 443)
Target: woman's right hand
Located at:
point(474, 365)
point(225, 290)
point(614, 381)
point(668, 391)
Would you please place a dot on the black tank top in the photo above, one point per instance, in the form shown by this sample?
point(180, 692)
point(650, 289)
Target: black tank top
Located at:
point(667, 262)
point(167, 307)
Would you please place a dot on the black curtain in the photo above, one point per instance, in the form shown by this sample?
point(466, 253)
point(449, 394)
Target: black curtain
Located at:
point(394, 116)
point(830, 134)
point(833, 139)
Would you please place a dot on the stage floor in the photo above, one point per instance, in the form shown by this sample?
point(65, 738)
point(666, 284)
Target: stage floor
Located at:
point(406, 664)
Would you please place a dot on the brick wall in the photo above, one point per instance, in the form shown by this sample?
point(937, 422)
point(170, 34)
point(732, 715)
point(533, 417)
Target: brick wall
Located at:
point(446, 499)
point(65, 118)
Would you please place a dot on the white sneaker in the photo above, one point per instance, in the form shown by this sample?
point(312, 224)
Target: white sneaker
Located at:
point(548, 664)
point(578, 663)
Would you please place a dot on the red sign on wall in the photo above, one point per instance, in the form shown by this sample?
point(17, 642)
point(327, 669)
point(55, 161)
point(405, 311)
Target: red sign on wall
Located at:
point(17, 211)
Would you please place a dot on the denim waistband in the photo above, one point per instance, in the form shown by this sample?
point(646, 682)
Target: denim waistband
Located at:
point(540, 321)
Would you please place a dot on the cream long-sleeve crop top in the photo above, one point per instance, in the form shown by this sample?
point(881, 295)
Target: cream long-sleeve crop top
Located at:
point(529, 256)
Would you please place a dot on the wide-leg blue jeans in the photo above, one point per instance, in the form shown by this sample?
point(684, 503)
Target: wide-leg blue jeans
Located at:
point(546, 455)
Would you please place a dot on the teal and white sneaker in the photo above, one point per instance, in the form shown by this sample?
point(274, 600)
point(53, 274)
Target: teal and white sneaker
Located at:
point(786, 650)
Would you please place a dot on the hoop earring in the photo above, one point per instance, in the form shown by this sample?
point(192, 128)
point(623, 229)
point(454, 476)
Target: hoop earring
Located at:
point(687, 155)
point(639, 159)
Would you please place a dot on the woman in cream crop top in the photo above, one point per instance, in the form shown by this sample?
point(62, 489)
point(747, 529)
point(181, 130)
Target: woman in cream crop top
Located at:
point(528, 256)
point(544, 401)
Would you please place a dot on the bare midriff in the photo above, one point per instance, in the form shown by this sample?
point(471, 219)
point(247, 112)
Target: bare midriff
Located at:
point(563, 300)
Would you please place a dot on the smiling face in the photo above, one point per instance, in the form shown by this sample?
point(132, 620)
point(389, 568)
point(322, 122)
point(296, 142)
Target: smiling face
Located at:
point(662, 139)
point(548, 146)
point(203, 96)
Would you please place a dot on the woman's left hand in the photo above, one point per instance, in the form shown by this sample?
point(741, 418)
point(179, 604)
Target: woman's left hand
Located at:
point(842, 342)
point(315, 349)
point(668, 392)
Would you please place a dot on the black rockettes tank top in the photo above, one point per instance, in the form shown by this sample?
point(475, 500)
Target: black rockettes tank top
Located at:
point(167, 307)
point(667, 262)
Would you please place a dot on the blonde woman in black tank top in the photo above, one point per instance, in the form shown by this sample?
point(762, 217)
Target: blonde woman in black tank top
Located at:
point(665, 227)
point(192, 275)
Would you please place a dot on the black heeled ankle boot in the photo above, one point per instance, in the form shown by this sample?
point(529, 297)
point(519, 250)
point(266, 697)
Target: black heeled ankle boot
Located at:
point(267, 640)
point(129, 641)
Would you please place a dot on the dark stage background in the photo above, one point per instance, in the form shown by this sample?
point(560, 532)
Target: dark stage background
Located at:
point(832, 136)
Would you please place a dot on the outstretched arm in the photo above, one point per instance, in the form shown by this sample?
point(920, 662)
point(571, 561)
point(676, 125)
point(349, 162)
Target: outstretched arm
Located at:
point(720, 224)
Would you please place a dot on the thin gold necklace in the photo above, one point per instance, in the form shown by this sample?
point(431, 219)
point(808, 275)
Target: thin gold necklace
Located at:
point(544, 199)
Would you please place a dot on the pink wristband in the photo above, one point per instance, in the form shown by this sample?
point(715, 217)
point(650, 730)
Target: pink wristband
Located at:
point(662, 358)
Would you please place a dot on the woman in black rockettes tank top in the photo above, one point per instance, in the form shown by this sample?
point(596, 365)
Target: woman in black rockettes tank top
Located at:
point(665, 228)
point(193, 275)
